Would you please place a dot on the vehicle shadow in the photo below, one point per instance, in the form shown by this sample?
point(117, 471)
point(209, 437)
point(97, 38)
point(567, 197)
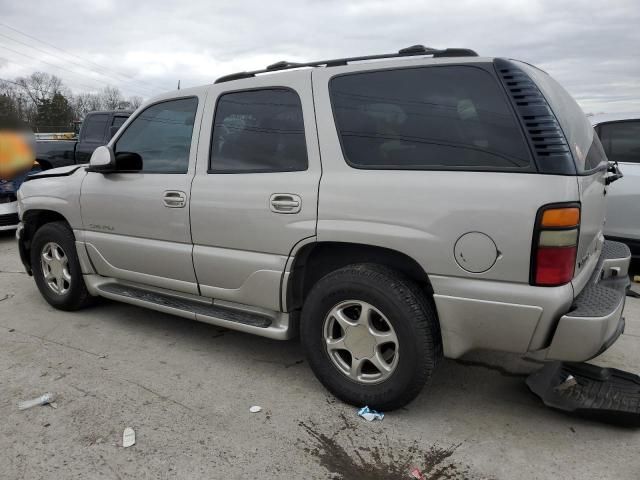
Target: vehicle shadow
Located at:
point(7, 235)
point(489, 384)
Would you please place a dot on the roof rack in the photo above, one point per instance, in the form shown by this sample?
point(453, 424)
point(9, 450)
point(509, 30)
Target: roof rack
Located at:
point(405, 52)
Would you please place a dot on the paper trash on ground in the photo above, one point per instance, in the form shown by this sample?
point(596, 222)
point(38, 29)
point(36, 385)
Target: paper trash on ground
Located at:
point(370, 415)
point(128, 437)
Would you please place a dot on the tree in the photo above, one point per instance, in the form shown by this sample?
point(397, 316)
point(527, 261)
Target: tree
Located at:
point(111, 98)
point(85, 103)
point(17, 98)
point(40, 86)
point(56, 112)
point(9, 117)
point(135, 102)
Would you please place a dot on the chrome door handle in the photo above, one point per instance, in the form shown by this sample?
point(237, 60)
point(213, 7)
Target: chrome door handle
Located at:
point(174, 199)
point(285, 203)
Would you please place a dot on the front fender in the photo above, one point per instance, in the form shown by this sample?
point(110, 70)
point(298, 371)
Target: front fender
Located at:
point(58, 194)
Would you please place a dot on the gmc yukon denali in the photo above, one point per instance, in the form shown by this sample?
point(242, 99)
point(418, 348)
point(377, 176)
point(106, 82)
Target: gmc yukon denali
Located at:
point(389, 209)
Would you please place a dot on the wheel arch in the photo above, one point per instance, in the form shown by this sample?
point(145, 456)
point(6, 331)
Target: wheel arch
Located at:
point(32, 220)
point(314, 260)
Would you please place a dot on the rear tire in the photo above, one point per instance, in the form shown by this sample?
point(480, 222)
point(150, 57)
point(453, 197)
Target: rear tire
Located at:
point(56, 268)
point(371, 336)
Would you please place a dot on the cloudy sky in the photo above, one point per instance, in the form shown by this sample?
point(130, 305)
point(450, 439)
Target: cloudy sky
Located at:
point(592, 48)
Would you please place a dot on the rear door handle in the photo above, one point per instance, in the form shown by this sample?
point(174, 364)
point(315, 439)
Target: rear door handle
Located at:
point(285, 203)
point(174, 199)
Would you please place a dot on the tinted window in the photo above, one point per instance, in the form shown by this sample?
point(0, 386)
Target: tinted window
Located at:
point(161, 135)
point(433, 117)
point(258, 131)
point(118, 121)
point(621, 141)
point(585, 148)
point(94, 128)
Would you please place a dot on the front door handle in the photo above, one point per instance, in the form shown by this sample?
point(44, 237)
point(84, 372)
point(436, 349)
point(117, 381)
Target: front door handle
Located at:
point(174, 199)
point(285, 203)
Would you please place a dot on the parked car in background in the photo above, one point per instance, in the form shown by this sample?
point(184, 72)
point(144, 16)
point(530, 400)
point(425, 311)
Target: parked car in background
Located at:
point(620, 138)
point(17, 161)
point(97, 129)
point(428, 203)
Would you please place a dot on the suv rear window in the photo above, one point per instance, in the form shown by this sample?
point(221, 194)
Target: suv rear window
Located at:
point(440, 117)
point(585, 146)
point(621, 141)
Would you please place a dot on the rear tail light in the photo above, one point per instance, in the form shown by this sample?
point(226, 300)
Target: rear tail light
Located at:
point(555, 244)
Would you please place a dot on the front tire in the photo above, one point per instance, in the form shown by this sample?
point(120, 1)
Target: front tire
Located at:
point(370, 336)
point(56, 268)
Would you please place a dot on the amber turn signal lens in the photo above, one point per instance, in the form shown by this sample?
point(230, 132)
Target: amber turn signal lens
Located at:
point(561, 217)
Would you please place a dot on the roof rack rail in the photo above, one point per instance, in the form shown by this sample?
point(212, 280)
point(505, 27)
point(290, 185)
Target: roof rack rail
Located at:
point(405, 52)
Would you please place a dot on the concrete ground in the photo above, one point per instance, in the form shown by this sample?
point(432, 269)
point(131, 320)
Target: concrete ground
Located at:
point(186, 389)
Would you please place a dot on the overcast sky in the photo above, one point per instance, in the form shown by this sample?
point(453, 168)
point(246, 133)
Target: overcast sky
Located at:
point(592, 48)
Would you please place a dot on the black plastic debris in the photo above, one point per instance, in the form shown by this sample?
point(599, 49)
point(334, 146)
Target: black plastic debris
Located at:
point(605, 394)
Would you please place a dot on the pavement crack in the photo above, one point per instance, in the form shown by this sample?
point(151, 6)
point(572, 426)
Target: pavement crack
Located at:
point(278, 362)
point(6, 297)
point(159, 395)
point(496, 368)
point(13, 271)
point(45, 339)
point(81, 390)
point(110, 467)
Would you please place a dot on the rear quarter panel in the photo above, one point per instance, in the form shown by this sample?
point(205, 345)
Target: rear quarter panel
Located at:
point(423, 213)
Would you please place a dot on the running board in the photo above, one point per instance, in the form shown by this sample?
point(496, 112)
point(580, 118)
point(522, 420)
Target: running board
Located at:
point(274, 326)
point(603, 393)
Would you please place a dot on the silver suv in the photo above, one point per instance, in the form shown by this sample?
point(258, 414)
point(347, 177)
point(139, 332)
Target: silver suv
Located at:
point(389, 209)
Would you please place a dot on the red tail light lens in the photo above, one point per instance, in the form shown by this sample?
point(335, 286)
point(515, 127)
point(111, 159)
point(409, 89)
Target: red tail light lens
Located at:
point(555, 245)
point(554, 265)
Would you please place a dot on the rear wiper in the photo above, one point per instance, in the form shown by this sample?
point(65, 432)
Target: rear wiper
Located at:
point(615, 171)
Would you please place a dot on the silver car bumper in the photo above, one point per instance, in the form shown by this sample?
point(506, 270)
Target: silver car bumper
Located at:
point(595, 320)
point(8, 216)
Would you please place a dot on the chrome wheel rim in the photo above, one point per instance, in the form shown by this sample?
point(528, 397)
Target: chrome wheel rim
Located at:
point(361, 342)
point(55, 268)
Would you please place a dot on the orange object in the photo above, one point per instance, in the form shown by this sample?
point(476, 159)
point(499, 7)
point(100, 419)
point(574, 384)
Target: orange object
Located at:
point(16, 155)
point(561, 217)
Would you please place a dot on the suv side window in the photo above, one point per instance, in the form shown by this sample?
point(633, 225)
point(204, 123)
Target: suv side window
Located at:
point(440, 117)
point(258, 131)
point(161, 135)
point(118, 121)
point(621, 140)
point(94, 128)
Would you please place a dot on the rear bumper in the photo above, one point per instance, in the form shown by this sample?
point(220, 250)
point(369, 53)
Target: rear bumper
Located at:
point(546, 322)
point(595, 320)
point(8, 216)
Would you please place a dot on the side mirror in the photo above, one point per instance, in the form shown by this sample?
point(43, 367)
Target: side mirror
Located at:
point(112, 131)
point(128, 162)
point(102, 160)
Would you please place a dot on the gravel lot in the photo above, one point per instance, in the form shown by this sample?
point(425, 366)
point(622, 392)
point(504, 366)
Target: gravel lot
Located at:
point(186, 389)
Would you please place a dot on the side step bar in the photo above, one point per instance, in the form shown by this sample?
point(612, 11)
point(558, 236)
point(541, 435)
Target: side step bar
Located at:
point(603, 393)
point(275, 325)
